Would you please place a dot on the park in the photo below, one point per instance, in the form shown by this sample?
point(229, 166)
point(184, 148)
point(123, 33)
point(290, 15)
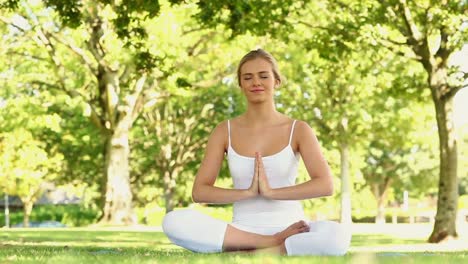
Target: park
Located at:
point(106, 108)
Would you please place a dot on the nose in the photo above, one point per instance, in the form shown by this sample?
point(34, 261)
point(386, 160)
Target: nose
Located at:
point(256, 80)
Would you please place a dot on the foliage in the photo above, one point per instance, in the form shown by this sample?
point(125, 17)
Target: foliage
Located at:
point(27, 162)
point(70, 215)
point(398, 150)
point(344, 60)
point(463, 201)
point(259, 17)
point(463, 160)
point(25, 165)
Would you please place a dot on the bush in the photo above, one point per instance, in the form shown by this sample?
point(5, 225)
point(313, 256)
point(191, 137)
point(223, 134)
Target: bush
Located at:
point(463, 202)
point(69, 215)
point(152, 214)
point(419, 215)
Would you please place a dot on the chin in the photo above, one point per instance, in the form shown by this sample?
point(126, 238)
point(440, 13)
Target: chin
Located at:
point(257, 101)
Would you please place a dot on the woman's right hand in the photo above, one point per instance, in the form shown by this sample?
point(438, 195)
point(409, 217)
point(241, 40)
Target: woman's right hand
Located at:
point(254, 189)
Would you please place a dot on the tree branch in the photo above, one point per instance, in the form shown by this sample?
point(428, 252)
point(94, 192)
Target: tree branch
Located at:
point(94, 43)
point(135, 101)
point(8, 22)
point(307, 24)
point(58, 66)
point(418, 42)
point(392, 47)
point(452, 91)
point(192, 30)
point(191, 50)
point(28, 56)
point(78, 51)
point(443, 52)
point(465, 75)
point(414, 35)
point(94, 116)
point(43, 38)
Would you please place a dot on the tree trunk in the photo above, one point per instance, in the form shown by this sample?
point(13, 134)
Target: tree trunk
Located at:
point(345, 185)
point(380, 198)
point(169, 185)
point(7, 212)
point(444, 226)
point(380, 217)
point(380, 191)
point(101, 202)
point(118, 206)
point(27, 209)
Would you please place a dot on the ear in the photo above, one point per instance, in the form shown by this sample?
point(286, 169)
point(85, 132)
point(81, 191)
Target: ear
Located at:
point(277, 83)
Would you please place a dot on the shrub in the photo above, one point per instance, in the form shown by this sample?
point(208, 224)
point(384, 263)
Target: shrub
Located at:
point(70, 215)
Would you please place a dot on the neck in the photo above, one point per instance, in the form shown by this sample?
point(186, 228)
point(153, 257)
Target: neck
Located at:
point(261, 113)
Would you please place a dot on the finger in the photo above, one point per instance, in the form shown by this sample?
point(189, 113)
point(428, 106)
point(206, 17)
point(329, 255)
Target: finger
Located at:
point(256, 161)
point(260, 161)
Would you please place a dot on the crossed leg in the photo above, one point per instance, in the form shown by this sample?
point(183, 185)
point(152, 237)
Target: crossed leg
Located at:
point(201, 233)
point(239, 240)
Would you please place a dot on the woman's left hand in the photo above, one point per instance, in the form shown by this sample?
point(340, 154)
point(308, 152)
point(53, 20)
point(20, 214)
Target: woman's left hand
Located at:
point(263, 185)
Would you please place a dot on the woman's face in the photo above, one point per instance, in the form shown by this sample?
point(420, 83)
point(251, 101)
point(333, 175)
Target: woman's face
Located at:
point(257, 80)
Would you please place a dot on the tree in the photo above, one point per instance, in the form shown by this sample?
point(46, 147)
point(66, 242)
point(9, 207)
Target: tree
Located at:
point(25, 167)
point(334, 98)
point(396, 151)
point(179, 126)
point(107, 72)
point(26, 163)
point(173, 132)
point(430, 32)
point(115, 70)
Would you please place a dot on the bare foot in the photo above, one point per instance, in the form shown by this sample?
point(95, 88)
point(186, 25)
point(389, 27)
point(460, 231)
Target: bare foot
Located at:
point(296, 228)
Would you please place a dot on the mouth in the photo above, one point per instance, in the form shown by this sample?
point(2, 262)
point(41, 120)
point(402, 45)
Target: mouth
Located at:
point(257, 90)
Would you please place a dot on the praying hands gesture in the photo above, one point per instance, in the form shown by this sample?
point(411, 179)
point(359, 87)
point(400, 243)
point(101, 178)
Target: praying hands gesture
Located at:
point(260, 185)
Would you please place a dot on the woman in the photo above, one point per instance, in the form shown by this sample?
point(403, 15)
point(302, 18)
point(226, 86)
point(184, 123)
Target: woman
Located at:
point(263, 148)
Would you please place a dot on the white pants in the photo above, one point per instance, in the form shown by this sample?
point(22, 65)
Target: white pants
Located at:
point(198, 232)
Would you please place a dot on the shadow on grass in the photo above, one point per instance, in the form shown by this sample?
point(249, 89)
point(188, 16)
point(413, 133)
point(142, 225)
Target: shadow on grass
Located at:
point(373, 240)
point(96, 246)
point(75, 235)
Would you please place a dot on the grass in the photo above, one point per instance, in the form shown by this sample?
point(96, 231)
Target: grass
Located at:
point(370, 244)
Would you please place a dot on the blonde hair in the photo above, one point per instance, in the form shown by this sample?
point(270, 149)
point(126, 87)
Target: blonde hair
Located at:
point(259, 53)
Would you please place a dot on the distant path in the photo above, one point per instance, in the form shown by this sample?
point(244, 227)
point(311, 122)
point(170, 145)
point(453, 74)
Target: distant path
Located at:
point(409, 234)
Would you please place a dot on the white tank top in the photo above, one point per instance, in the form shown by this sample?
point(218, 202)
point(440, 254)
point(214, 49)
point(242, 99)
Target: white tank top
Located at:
point(281, 171)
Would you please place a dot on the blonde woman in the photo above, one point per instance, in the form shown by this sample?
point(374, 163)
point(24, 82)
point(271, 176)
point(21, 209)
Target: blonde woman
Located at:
point(263, 148)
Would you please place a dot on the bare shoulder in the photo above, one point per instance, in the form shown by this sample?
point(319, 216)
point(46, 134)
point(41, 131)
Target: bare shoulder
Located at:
point(223, 126)
point(304, 135)
point(303, 128)
point(219, 135)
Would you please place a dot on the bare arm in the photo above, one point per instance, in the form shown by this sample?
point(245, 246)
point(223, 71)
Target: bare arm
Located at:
point(320, 183)
point(204, 190)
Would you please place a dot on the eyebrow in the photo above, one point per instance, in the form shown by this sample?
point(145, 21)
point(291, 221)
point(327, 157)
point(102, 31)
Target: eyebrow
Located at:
point(258, 72)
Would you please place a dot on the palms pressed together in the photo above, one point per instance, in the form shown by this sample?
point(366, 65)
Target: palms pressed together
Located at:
point(260, 185)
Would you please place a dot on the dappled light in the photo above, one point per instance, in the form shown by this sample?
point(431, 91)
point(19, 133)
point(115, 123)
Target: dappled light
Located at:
point(113, 112)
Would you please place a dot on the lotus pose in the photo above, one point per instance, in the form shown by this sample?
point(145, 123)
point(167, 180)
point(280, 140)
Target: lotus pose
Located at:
point(263, 148)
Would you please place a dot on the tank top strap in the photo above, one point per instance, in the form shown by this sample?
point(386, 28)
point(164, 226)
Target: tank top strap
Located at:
point(229, 133)
point(292, 131)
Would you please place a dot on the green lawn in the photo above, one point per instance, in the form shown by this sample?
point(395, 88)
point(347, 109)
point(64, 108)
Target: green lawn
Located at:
point(91, 245)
